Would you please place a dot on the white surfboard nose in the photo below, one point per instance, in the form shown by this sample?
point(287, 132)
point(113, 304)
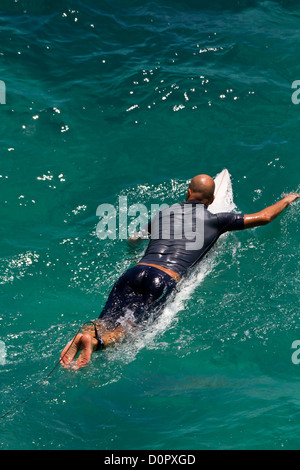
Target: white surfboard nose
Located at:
point(223, 193)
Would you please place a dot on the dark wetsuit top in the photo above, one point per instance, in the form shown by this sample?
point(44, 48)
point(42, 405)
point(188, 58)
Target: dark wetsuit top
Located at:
point(180, 236)
point(173, 229)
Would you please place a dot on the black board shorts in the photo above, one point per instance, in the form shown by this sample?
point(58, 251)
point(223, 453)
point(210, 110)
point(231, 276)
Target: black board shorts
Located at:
point(137, 296)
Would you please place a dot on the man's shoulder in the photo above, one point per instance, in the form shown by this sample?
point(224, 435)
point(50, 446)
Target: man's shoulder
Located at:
point(229, 221)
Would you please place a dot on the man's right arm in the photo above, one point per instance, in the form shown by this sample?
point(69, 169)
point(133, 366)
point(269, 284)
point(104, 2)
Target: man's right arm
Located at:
point(267, 215)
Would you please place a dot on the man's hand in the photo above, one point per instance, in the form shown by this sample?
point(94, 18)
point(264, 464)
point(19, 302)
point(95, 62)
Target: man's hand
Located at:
point(135, 238)
point(292, 197)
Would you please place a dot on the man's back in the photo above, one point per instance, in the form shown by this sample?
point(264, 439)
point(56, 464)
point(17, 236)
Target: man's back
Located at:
point(183, 233)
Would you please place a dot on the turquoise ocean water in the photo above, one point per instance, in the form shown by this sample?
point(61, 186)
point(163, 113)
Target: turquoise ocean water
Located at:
point(132, 98)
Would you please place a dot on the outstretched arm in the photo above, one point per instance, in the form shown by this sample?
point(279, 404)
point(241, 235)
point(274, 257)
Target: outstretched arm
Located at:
point(267, 215)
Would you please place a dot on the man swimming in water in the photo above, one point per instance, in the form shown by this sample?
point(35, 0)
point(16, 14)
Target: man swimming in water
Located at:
point(142, 290)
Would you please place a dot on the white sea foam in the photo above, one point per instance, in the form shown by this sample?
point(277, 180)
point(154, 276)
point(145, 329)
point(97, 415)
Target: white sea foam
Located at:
point(17, 266)
point(2, 353)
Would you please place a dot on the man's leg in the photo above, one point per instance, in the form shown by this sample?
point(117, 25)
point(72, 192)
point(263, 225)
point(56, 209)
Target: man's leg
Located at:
point(140, 289)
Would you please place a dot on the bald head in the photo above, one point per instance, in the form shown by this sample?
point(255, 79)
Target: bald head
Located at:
point(201, 188)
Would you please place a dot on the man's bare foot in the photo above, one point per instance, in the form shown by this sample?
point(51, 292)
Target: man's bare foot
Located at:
point(84, 343)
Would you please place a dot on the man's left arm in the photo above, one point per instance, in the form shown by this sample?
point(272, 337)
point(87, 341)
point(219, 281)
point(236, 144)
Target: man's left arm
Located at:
point(270, 213)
